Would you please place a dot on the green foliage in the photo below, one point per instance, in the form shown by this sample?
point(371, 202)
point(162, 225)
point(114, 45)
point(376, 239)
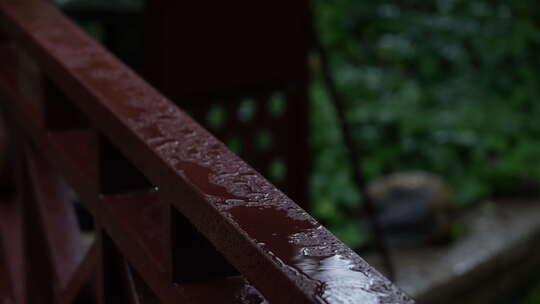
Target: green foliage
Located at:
point(447, 86)
point(534, 296)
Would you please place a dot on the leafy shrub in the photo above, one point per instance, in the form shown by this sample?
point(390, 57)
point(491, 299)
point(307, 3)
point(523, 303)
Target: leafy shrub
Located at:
point(447, 86)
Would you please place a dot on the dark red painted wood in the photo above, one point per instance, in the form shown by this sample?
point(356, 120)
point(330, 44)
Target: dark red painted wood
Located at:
point(83, 275)
point(74, 165)
point(40, 282)
point(286, 256)
point(11, 237)
point(57, 216)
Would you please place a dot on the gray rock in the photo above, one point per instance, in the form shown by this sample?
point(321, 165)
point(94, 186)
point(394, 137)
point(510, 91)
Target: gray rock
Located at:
point(413, 208)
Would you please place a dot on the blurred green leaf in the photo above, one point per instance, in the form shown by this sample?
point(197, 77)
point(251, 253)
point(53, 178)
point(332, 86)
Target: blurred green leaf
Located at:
point(446, 86)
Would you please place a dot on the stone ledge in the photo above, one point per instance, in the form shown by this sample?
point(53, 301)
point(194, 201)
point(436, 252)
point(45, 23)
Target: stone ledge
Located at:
point(501, 246)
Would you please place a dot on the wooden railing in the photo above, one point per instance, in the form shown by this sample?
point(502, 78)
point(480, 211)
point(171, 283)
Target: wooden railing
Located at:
point(179, 218)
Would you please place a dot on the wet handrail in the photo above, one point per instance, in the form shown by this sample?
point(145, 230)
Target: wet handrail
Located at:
point(191, 183)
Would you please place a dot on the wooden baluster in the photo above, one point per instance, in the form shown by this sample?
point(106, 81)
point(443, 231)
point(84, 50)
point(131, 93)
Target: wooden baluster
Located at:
point(113, 281)
point(116, 281)
point(40, 279)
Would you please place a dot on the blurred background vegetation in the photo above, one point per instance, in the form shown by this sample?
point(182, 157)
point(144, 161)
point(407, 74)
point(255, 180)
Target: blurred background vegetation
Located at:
point(447, 86)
